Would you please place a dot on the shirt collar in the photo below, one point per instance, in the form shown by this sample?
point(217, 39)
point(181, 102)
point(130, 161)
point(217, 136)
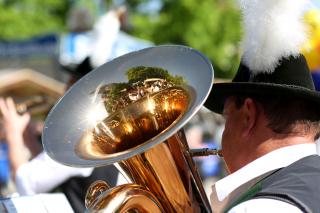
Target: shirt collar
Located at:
point(283, 157)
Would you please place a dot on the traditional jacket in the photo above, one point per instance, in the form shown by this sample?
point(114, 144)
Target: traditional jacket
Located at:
point(298, 184)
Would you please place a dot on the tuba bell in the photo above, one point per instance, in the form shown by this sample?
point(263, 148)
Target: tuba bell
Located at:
point(130, 112)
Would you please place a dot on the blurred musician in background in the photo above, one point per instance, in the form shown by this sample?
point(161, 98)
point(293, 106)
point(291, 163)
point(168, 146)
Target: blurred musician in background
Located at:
point(42, 174)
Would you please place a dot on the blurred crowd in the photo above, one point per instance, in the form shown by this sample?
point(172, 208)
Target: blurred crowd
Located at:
point(25, 169)
point(205, 131)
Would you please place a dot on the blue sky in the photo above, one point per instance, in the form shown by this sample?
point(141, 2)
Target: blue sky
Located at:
point(316, 3)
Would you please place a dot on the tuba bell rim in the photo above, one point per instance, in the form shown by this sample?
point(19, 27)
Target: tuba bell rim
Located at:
point(152, 56)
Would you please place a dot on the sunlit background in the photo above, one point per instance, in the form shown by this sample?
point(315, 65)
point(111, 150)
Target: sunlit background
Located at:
point(211, 26)
point(40, 38)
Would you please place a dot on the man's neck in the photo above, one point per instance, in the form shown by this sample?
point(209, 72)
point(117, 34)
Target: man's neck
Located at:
point(261, 146)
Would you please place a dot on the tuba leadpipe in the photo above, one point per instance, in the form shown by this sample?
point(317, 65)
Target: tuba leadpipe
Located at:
point(205, 152)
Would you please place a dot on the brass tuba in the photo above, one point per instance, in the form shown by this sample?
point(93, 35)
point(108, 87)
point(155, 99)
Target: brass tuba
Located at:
point(110, 118)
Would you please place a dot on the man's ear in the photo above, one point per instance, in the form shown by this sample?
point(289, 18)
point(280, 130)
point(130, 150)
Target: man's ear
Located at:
point(250, 113)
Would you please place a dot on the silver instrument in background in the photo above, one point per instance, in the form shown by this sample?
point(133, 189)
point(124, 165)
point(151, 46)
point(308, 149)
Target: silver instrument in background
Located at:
point(35, 105)
point(101, 121)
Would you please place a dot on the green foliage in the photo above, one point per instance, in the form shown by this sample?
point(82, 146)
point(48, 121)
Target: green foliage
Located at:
point(115, 90)
point(20, 19)
point(112, 93)
point(142, 73)
point(211, 26)
point(116, 94)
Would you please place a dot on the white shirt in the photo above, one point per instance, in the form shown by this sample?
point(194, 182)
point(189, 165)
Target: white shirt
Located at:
point(227, 190)
point(97, 44)
point(105, 33)
point(42, 174)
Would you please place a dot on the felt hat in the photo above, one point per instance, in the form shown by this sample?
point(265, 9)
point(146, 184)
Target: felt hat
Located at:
point(271, 63)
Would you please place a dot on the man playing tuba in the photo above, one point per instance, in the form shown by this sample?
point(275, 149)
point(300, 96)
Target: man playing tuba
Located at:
point(272, 117)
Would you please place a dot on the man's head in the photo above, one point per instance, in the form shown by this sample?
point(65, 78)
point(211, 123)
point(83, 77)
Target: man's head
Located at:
point(258, 125)
point(271, 102)
point(278, 104)
point(285, 114)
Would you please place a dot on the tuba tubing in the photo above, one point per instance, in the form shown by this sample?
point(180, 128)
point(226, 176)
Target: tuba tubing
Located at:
point(167, 171)
point(124, 198)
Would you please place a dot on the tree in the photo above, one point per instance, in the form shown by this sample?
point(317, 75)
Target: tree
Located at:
point(211, 26)
point(141, 73)
point(21, 19)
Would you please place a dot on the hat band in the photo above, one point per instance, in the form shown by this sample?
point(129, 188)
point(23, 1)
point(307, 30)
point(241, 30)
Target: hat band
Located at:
point(291, 71)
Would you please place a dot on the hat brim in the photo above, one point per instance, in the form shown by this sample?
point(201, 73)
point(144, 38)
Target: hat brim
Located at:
point(221, 91)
